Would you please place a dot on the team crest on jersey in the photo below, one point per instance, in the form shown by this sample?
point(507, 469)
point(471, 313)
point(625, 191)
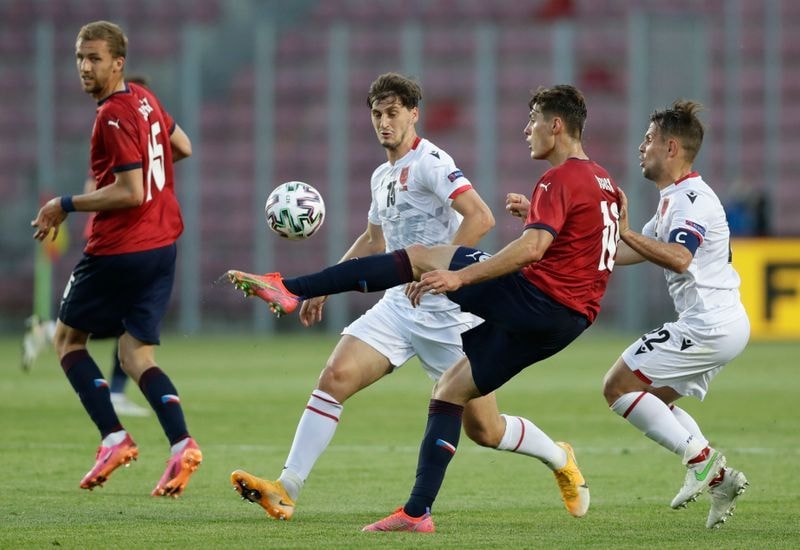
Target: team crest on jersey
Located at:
point(453, 176)
point(404, 178)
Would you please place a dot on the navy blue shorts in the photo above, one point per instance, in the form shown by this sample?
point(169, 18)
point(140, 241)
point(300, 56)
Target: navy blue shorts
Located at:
point(522, 325)
point(109, 295)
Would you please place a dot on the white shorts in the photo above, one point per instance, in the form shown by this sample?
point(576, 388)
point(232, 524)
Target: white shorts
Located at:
point(685, 357)
point(400, 333)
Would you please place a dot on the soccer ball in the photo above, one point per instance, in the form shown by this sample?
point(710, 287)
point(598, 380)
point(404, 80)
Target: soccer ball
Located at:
point(295, 210)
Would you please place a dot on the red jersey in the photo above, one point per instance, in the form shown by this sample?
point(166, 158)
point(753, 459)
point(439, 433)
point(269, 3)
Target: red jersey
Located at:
point(132, 131)
point(578, 203)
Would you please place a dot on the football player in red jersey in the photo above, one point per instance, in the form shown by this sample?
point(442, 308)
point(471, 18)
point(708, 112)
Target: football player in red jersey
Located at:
point(122, 284)
point(536, 295)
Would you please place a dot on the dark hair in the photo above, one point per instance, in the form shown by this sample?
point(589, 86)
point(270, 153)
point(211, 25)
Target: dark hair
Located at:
point(109, 32)
point(408, 91)
point(680, 121)
point(564, 101)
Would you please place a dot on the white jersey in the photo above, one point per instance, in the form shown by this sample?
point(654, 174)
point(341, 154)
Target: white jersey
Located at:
point(411, 201)
point(708, 292)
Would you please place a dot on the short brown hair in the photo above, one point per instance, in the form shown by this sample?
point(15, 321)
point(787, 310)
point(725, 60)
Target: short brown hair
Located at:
point(407, 90)
point(109, 32)
point(564, 101)
point(680, 121)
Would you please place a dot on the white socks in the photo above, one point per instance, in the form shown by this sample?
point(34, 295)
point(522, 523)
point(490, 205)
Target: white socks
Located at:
point(114, 438)
point(687, 422)
point(524, 437)
point(313, 435)
point(654, 418)
point(179, 446)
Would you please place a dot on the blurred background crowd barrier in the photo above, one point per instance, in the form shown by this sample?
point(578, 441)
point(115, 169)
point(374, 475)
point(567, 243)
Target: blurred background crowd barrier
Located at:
point(271, 91)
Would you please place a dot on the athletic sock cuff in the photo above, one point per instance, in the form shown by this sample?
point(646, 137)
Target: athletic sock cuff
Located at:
point(74, 357)
point(443, 407)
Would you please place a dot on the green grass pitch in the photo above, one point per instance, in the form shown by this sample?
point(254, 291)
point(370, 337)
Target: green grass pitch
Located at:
point(243, 395)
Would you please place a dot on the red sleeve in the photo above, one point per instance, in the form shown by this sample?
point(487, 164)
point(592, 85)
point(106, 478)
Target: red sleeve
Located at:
point(549, 203)
point(119, 133)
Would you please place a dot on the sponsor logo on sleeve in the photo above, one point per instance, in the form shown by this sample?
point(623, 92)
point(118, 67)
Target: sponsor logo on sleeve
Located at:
point(453, 176)
point(700, 229)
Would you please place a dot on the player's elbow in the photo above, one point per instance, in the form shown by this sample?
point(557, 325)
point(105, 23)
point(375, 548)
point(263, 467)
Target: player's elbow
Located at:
point(185, 150)
point(681, 263)
point(681, 268)
point(483, 220)
point(488, 220)
point(134, 198)
point(532, 254)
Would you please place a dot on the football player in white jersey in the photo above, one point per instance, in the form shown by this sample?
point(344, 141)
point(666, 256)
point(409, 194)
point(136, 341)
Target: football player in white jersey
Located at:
point(688, 236)
point(418, 196)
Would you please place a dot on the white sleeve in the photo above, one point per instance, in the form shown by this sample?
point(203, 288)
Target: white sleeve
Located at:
point(442, 177)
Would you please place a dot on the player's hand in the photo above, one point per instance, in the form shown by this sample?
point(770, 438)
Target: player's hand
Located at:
point(435, 282)
point(624, 224)
point(413, 293)
point(311, 310)
point(517, 205)
point(48, 219)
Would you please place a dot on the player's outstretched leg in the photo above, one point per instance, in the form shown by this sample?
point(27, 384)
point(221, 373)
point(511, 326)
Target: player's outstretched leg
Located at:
point(269, 287)
point(724, 490)
point(270, 495)
point(180, 467)
point(109, 459)
point(701, 469)
point(400, 521)
point(571, 483)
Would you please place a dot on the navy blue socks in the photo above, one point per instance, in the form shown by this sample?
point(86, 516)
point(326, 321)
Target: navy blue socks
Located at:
point(88, 382)
point(368, 274)
point(437, 449)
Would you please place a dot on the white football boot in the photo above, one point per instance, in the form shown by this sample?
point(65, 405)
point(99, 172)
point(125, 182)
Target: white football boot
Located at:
point(723, 497)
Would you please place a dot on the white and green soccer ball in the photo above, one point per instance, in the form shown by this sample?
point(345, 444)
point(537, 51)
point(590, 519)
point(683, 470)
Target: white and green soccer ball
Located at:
point(295, 210)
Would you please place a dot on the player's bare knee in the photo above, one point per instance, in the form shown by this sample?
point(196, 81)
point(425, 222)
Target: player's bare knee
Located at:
point(611, 392)
point(418, 256)
point(338, 380)
point(66, 340)
point(483, 435)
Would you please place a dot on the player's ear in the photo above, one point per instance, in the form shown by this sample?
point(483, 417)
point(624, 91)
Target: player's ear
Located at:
point(556, 125)
point(119, 64)
point(414, 115)
point(673, 147)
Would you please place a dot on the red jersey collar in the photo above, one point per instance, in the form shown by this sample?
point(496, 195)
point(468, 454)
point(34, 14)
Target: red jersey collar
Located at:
point(692, 174)
point(416, 142)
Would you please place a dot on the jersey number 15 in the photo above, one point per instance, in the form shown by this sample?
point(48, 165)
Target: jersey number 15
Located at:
point(155, 164)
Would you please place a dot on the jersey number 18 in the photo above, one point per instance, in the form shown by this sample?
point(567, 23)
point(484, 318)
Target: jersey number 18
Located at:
point(610, 235)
